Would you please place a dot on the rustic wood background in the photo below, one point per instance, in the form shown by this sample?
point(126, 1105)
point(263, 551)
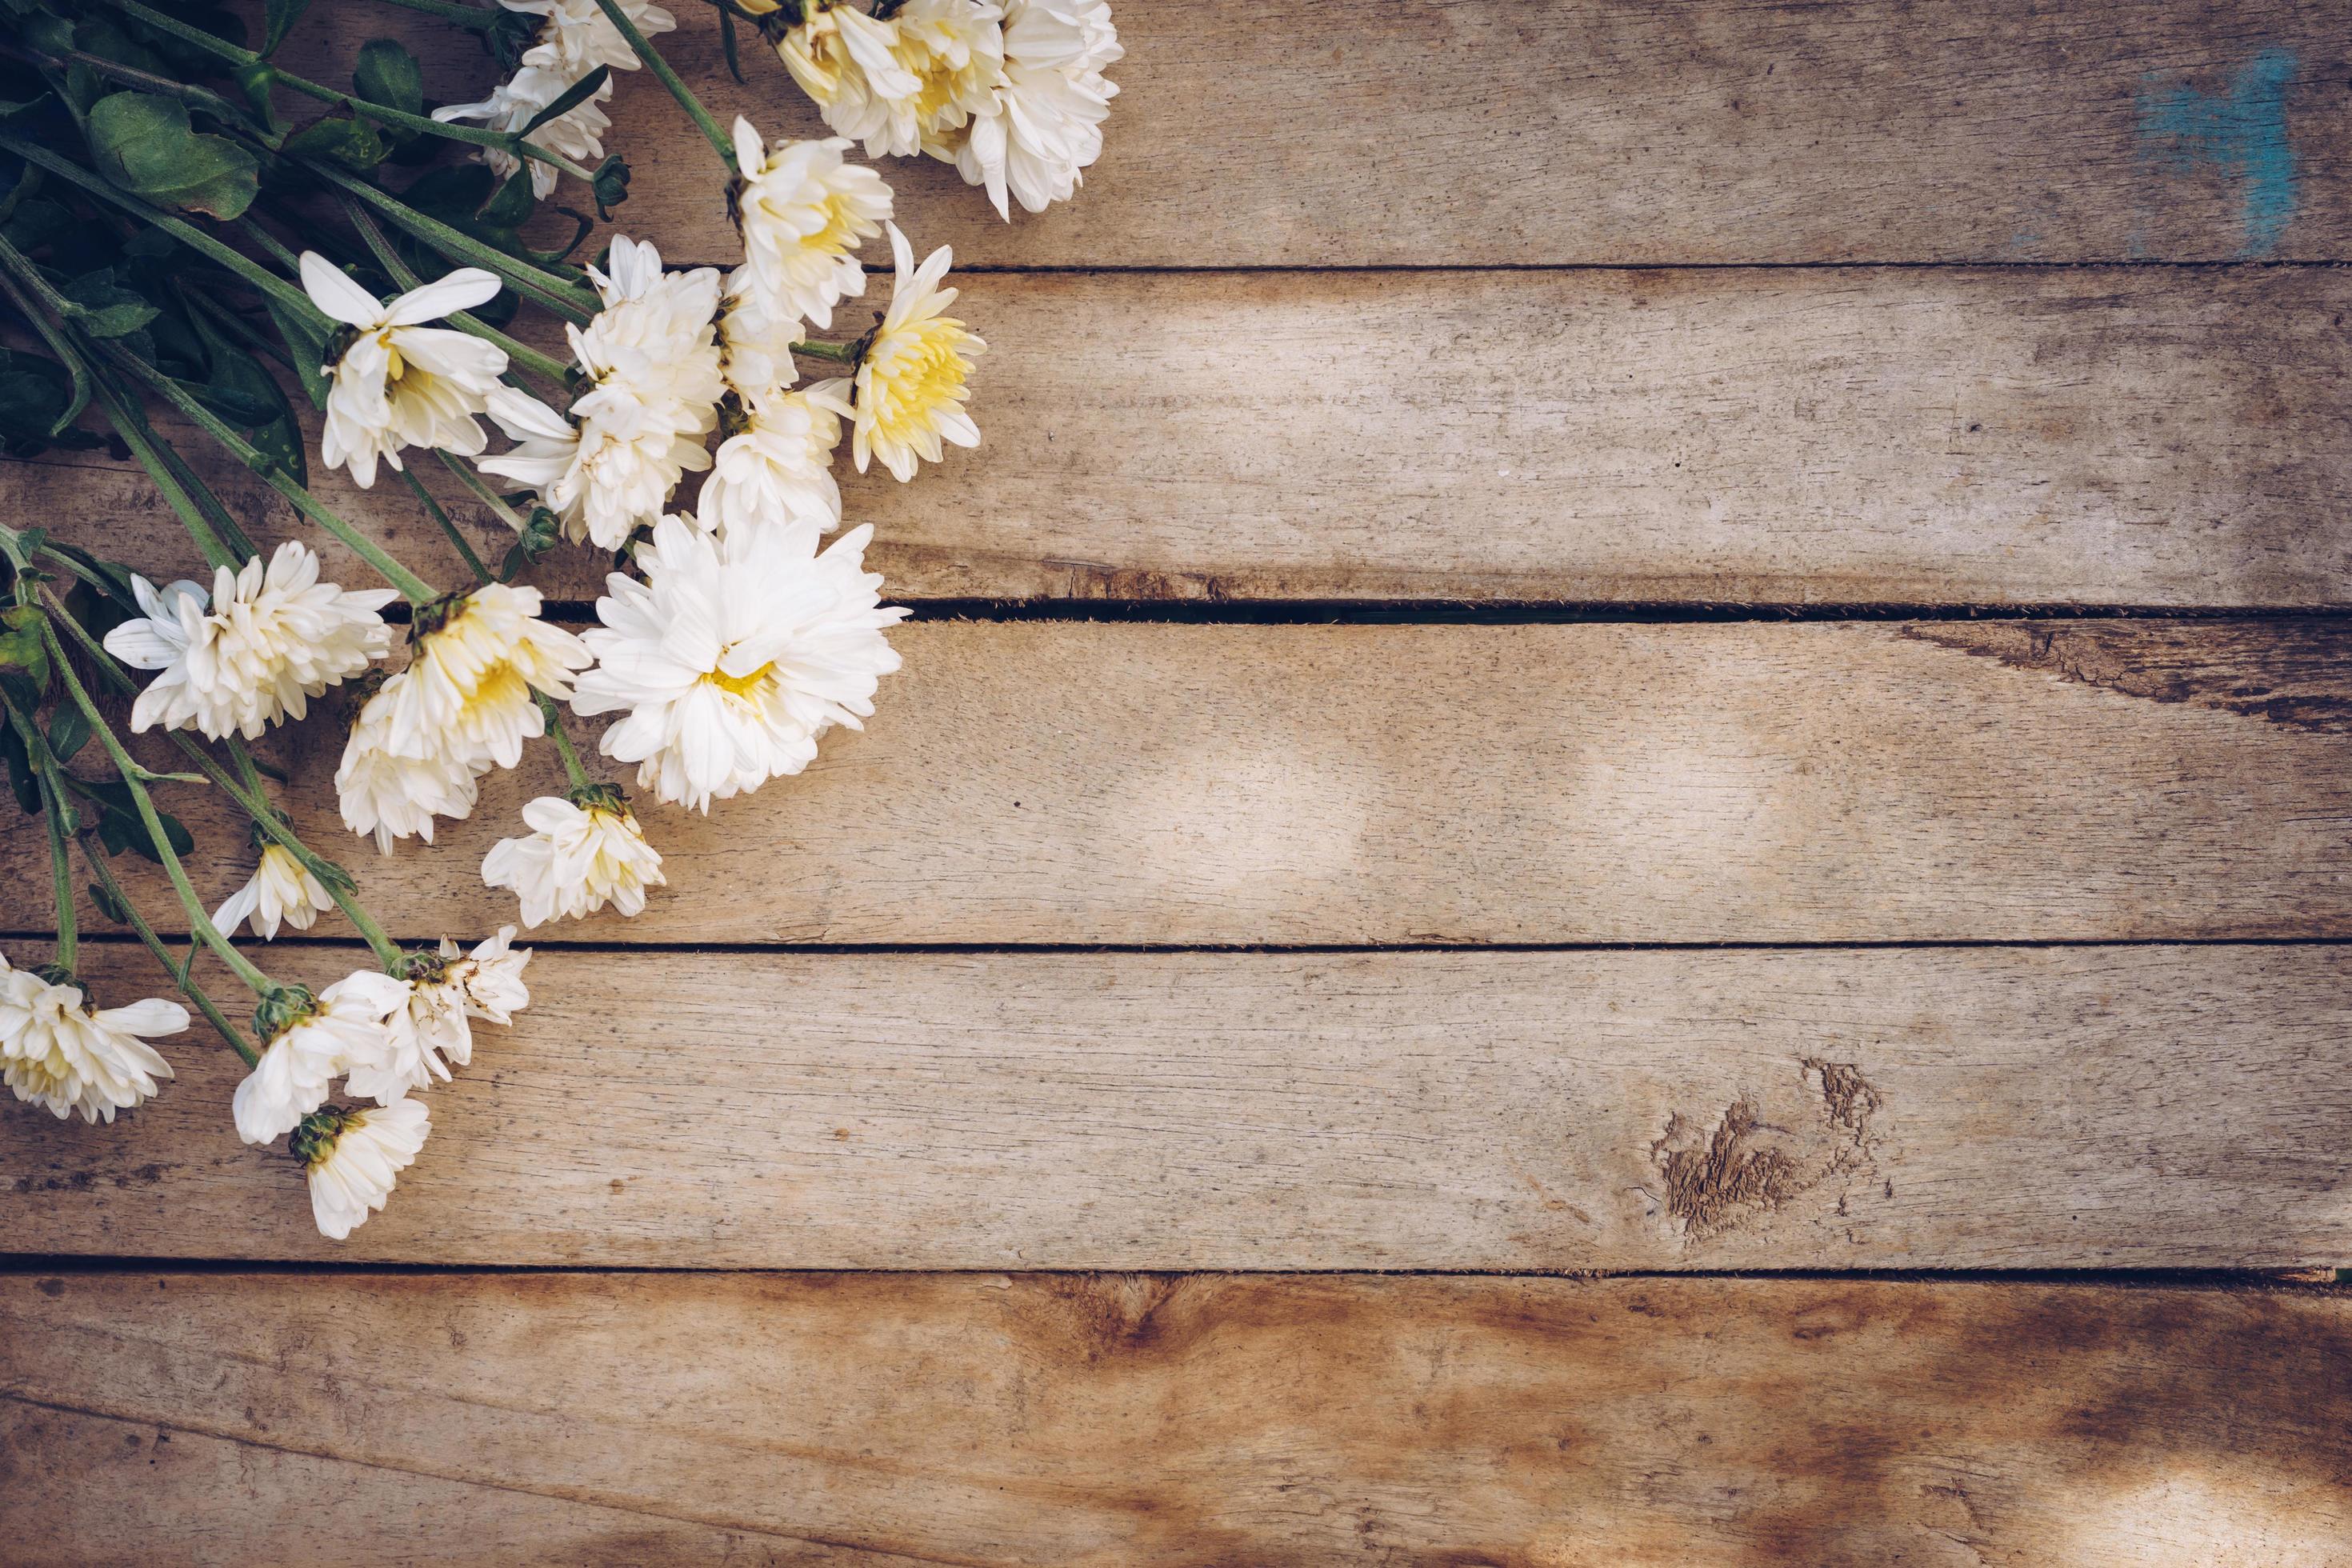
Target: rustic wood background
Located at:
point(1713, 768)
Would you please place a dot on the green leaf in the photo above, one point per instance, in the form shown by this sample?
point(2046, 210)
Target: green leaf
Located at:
point(279, 19)
point(69, 730)
point(306, 346)
point(145, 144)
point(255, 82)
point(39, 399)
point(102, 898)
point(24, 653)
point(611, 185)
point(104, 308)
point(388, 74)
point(21, 782)
point(345, 143)
point(569, 99)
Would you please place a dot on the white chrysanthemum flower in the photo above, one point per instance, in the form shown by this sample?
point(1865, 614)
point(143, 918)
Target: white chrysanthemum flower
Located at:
point(802, 211)
point(577, 133)
point(282, 892)
point(652, 357)
point(577, 858)
point(61, 1054)
point(1042, 127)
point(393, 796)
point(669, 320)
point(445, 991)
point(733, 656)
point(911, 386)
point(270, 637)
point(755, 342)
point(353, 1158)
point(317, 1039)
point(849, 62)
point(956, 49)
point(576, 37)
point(466, 692)
point(400, 382)
point(777, 471)
point(602, 478)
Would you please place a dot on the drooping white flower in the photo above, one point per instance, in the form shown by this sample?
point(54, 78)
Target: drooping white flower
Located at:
point(316, 1040)
point(393, 796)
point(282, 892)
point(354, 1157)
point(955, 49)
point(268, 639)
point(466, 692)
point(577, 133)
point(910, 385)
point(400, 382)
point(577, 858)
point(601, 477)
point(576, 37)
point(58, 1052)
point(1042, 128)
point(849, 62)
point(652, 356)
point(777, 470)
point(446, 991)
point(802, 211)
point(734, 655)
point(755, 342)
point(657, 339)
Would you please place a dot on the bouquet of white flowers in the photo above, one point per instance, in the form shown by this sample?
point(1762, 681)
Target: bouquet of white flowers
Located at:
point(165, 235)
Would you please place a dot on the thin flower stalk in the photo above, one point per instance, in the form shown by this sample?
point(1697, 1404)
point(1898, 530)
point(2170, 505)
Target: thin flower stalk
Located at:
point(704, 120)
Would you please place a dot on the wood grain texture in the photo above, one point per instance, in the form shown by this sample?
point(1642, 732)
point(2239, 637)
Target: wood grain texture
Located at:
point(1043, 781)
point(2154, 436)
point(1958, 1108)
point(985, 1419)
point(1449, 132)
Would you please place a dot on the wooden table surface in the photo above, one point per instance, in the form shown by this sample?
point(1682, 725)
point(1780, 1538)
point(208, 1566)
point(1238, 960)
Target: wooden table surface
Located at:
point(1619, 831)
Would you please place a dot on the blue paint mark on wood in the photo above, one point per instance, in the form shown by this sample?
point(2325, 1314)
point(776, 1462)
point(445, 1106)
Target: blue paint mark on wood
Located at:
point(2241, 133)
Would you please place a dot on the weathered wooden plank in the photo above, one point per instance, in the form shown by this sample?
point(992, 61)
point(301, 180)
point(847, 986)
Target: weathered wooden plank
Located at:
point(1436, 132)
point(987, 1419)
point(2152, 436)
point(2140, 1106)
point(1038, 781)
point(2149, 437)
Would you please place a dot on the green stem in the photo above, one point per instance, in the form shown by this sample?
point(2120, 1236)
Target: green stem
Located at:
point(473, 561)
point(287, 294)
point(383, 114)
point(389, 259)
point(215, 542)
point(840, 353)
point(669, 78)
point(573, 773)
point(53, 336)
point(181, 978)
point(330, 876)
point(414, 589)
point(250, 795)
point(566, 299)
point(53, 812)
point(199, 920)
point(140, 437)
point(487, 495)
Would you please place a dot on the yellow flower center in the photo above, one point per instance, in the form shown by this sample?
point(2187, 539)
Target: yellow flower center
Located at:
point(917, 372)
point(739, 685)
point(840, 230)
point(394, 367)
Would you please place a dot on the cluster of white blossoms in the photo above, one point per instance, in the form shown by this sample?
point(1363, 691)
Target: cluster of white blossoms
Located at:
point(387, 1038)
point(1012, 95)
point(63, 1054)
point(574, 38)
